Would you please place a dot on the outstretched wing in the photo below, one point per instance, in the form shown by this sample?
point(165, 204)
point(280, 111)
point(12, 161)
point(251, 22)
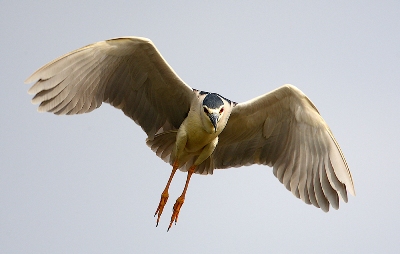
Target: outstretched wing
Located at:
point(283, 129)
point(129, 73)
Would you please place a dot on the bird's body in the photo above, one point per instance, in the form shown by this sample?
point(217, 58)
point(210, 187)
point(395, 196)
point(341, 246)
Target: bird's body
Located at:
point(197, 131)
point(197, 135)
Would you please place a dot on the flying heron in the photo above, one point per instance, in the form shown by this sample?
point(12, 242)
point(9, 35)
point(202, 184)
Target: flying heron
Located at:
point(197, 131)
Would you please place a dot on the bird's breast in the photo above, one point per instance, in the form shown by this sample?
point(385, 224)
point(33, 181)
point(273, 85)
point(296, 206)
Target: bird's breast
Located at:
point(197, 141)
point(197, 137)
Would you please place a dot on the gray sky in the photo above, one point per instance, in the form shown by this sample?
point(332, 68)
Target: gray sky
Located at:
point(89, 183)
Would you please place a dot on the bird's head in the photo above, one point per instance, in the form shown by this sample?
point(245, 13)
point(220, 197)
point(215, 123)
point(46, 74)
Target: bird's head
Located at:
point(215, 111)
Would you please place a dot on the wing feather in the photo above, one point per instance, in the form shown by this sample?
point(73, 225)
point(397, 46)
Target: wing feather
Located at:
point(310, 173)
point(284, 129)
point(129, 73)
point(305, 154)
point(319, 193)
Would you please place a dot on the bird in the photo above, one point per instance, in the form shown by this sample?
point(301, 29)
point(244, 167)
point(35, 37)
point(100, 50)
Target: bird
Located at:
point(197, 131)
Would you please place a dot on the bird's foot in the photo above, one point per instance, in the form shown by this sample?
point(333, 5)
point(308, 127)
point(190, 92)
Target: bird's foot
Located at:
point(175, 211)
point(160, 208)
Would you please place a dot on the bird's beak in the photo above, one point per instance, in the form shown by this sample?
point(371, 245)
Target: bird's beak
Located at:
point(214, 120)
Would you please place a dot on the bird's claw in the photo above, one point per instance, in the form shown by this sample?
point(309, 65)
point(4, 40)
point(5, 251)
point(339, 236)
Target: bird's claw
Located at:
point(160, 208)
point(175, 212)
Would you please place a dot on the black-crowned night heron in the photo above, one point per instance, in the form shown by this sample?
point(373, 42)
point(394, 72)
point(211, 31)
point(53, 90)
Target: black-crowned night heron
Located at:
point(197, 131)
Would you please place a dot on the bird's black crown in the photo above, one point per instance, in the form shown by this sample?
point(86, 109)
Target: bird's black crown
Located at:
point(213, 100)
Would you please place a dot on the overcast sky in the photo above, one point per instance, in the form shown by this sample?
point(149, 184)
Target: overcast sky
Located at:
point(89, 184)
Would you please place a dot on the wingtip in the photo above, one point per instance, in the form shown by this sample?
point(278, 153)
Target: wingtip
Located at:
point(29, 80)
point(30, 91)
point(352, 191)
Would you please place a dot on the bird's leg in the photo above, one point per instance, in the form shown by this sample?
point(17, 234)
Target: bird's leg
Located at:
point(181, 199)
point(164, 194)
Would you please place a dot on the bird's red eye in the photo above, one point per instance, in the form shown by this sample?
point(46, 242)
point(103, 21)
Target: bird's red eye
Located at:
point(221, 110)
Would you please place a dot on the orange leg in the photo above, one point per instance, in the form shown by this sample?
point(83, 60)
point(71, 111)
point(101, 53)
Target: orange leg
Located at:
point(164, 194)
point(181, 199)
